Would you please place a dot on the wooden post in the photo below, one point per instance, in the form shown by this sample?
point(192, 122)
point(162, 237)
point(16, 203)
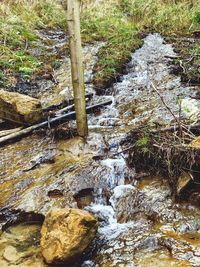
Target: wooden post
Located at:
point(73, 13)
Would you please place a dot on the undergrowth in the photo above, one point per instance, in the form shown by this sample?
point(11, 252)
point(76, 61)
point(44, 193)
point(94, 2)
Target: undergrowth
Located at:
point(164, 16)
point(19, 22)
point(164, 153)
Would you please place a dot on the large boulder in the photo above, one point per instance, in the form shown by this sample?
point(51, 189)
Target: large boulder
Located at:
point(19, 108)
point(66, 233)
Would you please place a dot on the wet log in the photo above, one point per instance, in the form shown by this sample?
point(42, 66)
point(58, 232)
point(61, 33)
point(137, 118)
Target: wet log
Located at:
point(50, 122)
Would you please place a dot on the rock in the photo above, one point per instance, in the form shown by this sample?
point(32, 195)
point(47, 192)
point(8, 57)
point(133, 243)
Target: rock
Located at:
point(196, 142)
point(66, 233)
point(11, 254)
point(183, 181)
point(19, 108)
point(196, 145)
point(191, 108)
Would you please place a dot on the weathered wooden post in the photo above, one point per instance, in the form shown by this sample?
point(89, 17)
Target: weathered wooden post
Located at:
point(73, 13)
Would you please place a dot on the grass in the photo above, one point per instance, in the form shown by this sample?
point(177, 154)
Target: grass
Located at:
point(117, 22)
point(121, 38)
point(164, 16)
point(19, 21)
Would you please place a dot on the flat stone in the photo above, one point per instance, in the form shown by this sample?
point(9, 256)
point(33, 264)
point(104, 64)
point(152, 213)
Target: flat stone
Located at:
point(11, 255)
point(19, 108)
point(66, 233)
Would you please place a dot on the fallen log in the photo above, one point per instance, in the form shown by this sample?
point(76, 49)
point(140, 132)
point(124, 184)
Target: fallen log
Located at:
point(50, 122)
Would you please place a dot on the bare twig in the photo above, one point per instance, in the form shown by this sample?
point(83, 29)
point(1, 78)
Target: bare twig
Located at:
point(176, 127)
point(50, 122)
point(168, 108)
point(63, 110)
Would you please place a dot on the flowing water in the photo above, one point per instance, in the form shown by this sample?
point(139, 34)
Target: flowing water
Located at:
point(139, 223)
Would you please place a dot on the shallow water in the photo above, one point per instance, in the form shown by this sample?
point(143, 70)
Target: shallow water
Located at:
point(139, 223)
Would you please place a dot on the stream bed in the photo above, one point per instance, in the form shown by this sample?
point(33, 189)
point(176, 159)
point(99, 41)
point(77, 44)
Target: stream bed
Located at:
point(139, 224)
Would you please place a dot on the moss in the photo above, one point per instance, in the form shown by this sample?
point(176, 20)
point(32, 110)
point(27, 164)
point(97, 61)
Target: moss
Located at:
point(115, 54)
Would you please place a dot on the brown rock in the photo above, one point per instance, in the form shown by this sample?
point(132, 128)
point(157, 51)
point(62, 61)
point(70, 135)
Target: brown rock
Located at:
point(183, 181)
point(11, 254)
point(196, 142)
point(19, 108)
point(66, 233)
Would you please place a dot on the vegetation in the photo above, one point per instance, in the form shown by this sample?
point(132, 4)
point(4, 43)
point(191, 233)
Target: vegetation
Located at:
point(19, 22)
point(164, 16)
point(117, 22)
point(120, 35)
point(120, 22)
point(163, 153)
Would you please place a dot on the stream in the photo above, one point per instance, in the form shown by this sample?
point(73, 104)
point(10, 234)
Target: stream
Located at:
point(139, 224)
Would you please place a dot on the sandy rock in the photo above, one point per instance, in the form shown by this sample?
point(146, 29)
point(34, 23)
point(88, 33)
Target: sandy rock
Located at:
point(66, 233)
point(19, 108)
point(11, 254)
point(183, 181)
point(196, 145)
point(196, 142)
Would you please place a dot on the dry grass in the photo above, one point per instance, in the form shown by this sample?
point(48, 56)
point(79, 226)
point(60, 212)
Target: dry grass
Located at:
point(162, 153)
point(165, 16)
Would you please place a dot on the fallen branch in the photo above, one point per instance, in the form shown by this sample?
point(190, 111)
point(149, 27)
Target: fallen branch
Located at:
point(168, 108)
point(65, 103)
point(176, 127)
point(50, 122)
point(68, 108)
point(63, 110)
point(7, 132)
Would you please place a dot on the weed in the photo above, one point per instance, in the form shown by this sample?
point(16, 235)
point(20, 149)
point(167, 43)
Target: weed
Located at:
point(196, 17)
